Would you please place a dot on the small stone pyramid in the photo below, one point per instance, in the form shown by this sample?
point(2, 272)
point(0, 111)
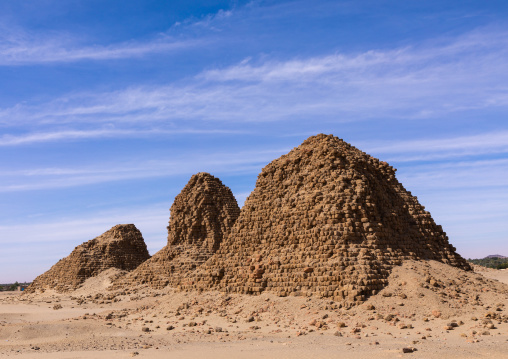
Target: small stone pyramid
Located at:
point(201, 216)
point(121, 247)
point(328, 220)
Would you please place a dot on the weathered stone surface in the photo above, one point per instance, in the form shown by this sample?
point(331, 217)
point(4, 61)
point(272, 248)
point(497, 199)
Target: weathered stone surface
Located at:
point(121, 247)
point(326, 219)
point(201, 217)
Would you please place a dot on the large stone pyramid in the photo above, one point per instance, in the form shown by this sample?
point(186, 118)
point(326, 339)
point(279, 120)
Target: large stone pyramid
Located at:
point(121, 247)
point(201, 217)
point(328, 220)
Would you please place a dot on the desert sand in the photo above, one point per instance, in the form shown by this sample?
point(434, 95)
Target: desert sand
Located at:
point(460, 315)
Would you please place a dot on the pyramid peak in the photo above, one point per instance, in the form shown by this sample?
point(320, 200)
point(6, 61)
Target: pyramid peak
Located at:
point(202, 178)
point(202, 175)
point(322, 138)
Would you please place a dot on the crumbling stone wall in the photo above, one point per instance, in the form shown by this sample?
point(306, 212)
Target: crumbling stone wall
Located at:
point(121, 247)
point(202, 215)
point(326, 219)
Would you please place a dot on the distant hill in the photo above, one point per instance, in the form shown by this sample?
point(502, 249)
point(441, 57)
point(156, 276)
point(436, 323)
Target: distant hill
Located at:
point(496, 261)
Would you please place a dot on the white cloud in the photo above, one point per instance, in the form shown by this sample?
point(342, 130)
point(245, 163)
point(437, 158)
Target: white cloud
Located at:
point(20, 47)
point(461, 164)
point(30, 138)
point(75, 231)
point(24, 50)
point(440, 148)
point(63, 177)
point(209, 21)
point(460, 175)
point(430, 81)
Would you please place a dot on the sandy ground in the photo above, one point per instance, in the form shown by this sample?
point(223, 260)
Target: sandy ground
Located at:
point(433, 309)
point(500, 275)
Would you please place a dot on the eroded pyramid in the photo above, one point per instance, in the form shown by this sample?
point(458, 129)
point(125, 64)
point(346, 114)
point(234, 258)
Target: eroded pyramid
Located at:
point(325, 219)
point(121, 247)
point(202, 215)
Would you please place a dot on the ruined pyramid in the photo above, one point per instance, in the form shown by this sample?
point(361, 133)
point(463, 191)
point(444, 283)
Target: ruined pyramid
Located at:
point(328, 220)
point(201, 217)
point(121, 247)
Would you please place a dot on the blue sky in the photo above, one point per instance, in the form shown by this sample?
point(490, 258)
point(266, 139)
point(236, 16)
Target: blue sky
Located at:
point(108, 107)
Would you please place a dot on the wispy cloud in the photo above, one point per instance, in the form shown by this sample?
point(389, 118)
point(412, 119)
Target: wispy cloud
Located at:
point(440, 148)
point(457, 175)
point(63, 135)
point(208, 22)
point(461, 165)
point(24, 49)
point(20, 47)
point(76, 230)
point(63, 177)
point(433, 54)
point(430, 81)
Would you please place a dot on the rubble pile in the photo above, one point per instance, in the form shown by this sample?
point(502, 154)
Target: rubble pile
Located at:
point(121, 247)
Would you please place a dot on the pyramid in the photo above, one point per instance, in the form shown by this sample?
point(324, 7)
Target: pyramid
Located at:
point(201, 216)
point(326, 220)
point(121, 247)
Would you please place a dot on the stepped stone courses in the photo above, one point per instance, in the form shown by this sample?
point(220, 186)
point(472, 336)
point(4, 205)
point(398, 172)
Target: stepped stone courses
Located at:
point(326, 219)
point(121, 247)
point(201, 217)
